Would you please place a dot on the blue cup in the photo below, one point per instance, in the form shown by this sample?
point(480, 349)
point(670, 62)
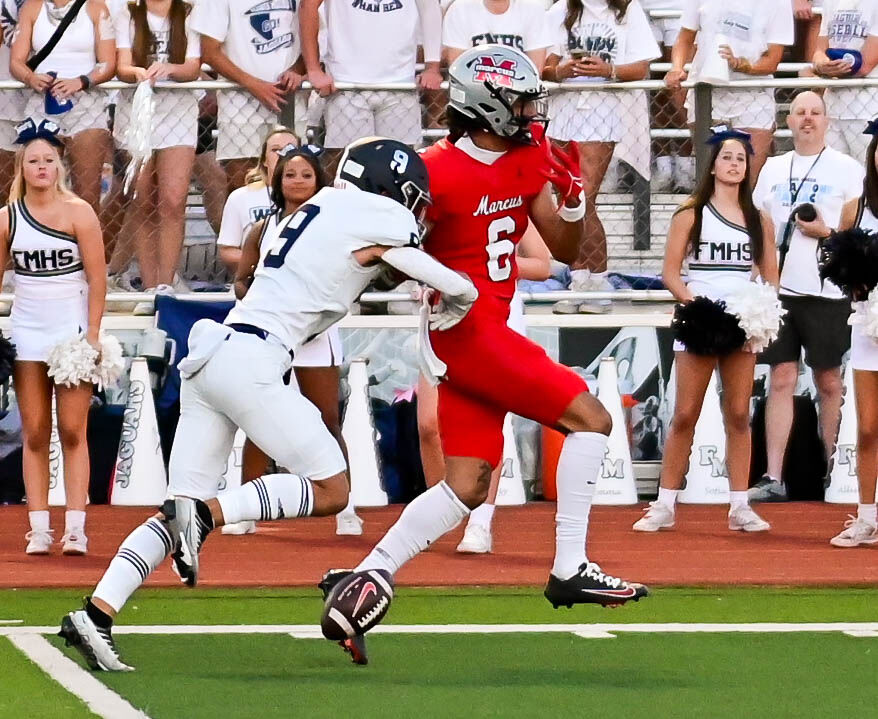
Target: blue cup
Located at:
point(853, 57)
point(51, 104)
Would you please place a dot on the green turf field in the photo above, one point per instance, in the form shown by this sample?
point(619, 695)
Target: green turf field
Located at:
point(650, 673)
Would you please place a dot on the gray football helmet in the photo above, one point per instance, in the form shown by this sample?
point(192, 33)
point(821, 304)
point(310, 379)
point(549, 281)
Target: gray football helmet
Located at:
point(486, 81)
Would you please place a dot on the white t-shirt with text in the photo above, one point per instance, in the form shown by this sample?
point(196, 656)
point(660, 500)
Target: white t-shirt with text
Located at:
point(846, 25)
point(160, 27)
point(469, 23)
point(243, 209)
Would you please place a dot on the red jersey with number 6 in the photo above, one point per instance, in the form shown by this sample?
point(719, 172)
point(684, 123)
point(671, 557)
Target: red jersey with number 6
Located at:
point(480, 212)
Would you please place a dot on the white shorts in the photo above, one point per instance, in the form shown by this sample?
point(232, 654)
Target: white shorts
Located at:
point(847, 136)
point(665, 30)
point(8, 135)
point(242, 124)
point(864, 351)
point(174, 121)
point(323, 351)
point(351, 115)
point(241, 385)
point(41, 323)
point(754, 109)
point(589, 116)
point(89, 112)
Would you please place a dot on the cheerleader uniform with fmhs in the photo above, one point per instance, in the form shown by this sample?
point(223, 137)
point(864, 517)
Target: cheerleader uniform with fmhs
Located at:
point(51, 292)
point(864, 349)
point(721, 263)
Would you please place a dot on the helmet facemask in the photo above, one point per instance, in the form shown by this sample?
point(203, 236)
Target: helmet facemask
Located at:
point(525, 109)
point(416, 199)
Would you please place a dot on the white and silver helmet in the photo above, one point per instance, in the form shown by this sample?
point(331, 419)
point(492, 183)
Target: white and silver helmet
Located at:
point(486, 81)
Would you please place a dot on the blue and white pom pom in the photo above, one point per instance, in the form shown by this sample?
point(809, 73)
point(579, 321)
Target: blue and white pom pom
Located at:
point(759, 312)
point(76, 361)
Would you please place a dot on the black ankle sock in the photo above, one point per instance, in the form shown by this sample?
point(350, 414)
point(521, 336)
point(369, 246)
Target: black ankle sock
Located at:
point(98, 616)
point(204, 513)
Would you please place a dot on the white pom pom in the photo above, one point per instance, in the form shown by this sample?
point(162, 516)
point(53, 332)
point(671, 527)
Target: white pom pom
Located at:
point(111, 365)
point(72, 362)
point(866, 315)
point(759, 311)
point(138, 136)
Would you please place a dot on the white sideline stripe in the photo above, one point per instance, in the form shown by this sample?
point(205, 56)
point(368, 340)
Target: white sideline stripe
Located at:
point(101, 700)
point(310, 631)
point(11, 621)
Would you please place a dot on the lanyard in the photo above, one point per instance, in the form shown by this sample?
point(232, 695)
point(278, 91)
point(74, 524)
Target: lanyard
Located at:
point(794, 193)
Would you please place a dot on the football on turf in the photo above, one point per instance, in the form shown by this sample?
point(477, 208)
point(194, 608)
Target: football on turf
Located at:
point(356, 604)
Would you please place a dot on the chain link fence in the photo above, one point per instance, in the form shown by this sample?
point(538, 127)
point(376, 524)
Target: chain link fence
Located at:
point(640, 142)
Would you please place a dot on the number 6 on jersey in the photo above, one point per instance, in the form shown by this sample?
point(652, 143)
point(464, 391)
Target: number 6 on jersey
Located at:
point(500, 248)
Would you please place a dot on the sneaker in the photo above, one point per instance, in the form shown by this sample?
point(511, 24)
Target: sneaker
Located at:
point(663, 178)
point(476, 539)
point(93, 642)
point(585, 281)
point(354, 646)
point(684, 174)
point(746, 520)
point(767, 490)
point(856, 532)
point(348, 524)
point(147, 307)
point(38, 542)
point(248, 526)
point(658, 516)
point(592, 586)
point(75, 543)
point(190, 522)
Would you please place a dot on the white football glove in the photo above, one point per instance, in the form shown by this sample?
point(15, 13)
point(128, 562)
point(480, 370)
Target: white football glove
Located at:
point(451, 309)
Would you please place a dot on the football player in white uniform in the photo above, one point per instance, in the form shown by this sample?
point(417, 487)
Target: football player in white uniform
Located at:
point(327, 253)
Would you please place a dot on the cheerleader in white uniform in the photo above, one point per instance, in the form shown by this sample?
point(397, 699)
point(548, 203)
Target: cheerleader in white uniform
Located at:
point(54, 239)
point(863, 213)
point(726, 242)
point(534, 263)
point(297, 177)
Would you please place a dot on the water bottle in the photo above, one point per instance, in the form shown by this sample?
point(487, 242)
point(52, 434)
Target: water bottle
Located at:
point(52, 105)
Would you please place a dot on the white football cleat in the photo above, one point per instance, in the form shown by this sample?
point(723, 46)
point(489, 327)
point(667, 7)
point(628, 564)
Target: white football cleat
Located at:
point(477, 539)
point(38, 542)
point(75, 543)
point(658, 516)
point(746, 520)
point(348, 524)
point(94, 643)
point(248, 526)
point(856, 532)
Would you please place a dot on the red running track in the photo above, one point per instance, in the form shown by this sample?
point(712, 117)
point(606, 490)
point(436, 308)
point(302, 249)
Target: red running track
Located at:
point(700, 551)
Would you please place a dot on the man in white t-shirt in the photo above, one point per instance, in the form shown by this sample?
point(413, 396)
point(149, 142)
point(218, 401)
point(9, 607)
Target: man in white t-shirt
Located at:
point(514, 23)
point(372, 42)
point(254, 43)
point(850, 26)
point(817, 312)
point(750, 36)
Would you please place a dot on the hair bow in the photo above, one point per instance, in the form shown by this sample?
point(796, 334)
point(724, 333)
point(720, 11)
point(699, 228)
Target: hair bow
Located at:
point(871, 127)
point(294, 149)
point(29, 130)
point(721, 133)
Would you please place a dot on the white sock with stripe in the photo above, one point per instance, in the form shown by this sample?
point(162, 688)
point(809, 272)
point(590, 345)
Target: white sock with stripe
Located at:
point(426, 518)
point(577, 476)
point(274, 496)
point(138, 556)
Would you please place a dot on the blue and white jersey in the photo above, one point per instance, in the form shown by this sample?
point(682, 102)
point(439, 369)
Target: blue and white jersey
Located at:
point(47, 262)
point(723, 259)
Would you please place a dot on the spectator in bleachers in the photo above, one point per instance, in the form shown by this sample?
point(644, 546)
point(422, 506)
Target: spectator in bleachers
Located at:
point(155, 43)
point(255, 44)
point(726, 242)
point(515, 23)
point(863, 213)
point(54, 240)
point(750, 35)
point(372, 42)
point(11, 101)
point(64, 83)
point(817, 312)
point(593, 43)
point(251, 203)
point(850, 27)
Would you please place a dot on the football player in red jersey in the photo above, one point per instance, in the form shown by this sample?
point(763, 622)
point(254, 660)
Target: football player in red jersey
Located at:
point(486, 179)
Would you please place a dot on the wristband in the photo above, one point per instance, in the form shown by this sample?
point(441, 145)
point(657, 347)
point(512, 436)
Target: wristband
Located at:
point(573, 214)
point(86, 81)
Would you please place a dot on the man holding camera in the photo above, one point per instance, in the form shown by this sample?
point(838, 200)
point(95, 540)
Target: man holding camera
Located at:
point(803, 192)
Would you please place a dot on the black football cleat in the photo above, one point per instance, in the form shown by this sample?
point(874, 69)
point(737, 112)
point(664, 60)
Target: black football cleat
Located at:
point(592, 586)
point(189, 522)
point(355, 646)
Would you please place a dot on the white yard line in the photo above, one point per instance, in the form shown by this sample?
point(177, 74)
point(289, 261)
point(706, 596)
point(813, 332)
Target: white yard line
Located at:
point(11, 621)
point(82, 684)
point(310, 631)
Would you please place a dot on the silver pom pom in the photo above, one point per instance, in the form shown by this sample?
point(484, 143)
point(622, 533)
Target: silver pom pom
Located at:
point(866, 315)
point(759, 312)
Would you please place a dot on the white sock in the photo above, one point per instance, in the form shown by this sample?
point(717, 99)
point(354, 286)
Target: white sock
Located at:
point(426, 518)
point(74, 521)
point(738, 500)
point(868, 513)
point(668, 497)
point(39, 520)
point(141, 552)
point(274, 496)
point(483, 514)
point(578, 469)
